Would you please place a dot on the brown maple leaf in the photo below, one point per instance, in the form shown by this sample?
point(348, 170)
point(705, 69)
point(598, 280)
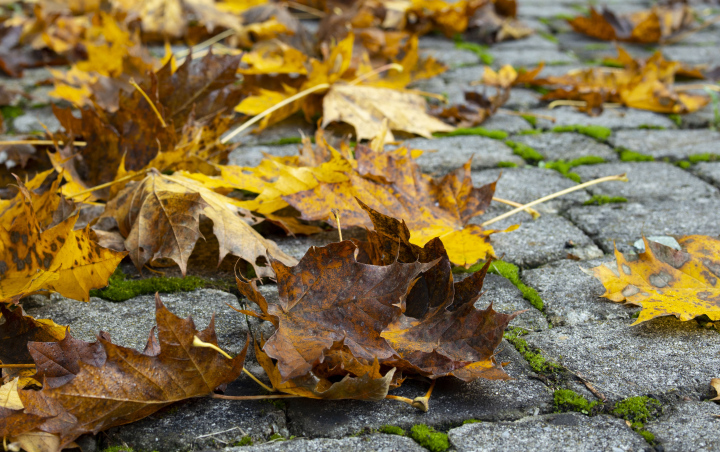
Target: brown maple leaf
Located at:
point(134, 384)
point(18, 329)
point(646, 26)
point(159, 217)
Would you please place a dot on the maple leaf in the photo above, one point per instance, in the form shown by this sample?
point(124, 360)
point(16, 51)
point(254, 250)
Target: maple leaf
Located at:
point(54, 258)
point(665, 281)
point(349, 302)
point(193, 101)
point(440, 331)
point(19, 329)
point(159, 217)
point(392, 183)
point(13, 59)
point(647, 26)
point(135, 384)
point(645, 84)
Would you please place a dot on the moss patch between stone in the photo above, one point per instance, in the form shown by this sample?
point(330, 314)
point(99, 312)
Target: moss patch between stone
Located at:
point(600, 133)
point(639, 410)
point(392, 430)
point(480, 50)
point(430, 439)
point(120, 288)
point(568, 400)
point(537, 361)
point(463, 131)
point(626, 155)
point(510, 272)
point(599, 200)
point(525, 152)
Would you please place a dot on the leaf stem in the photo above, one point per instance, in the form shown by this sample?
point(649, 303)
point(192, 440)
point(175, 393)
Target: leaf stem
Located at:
point(256, 380)
point(337, 218)
point(152, 104)
point(535, 214)
point(207, 43)
point(41, 142)
point(384, 68)
point(105, 185)
point(199, 343)
point(619, 177)
point(275, 107)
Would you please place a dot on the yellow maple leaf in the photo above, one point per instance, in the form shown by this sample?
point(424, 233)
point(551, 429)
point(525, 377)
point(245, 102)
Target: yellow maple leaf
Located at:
point(665, 281)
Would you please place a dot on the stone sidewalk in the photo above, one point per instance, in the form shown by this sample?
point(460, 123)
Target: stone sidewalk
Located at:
point(577, 341)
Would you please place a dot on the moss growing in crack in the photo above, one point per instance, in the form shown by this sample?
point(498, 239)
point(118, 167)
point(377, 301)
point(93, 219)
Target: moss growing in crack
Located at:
point(563, 167)
point(392, 430)
point(651, 127)
point(245, 441)
point(430, 439)
point(507, 165)
point(676, 118)
point(471, 421)
point(479, 50)
point(287, 140)
point(525, 152)
point(537, 362)
point(567, 400)
point(512, 273)
point(120, 288)
point(706, 157)
point(532, 120)
point(684, 164)
point(462, 131)
point(276, 437)
point(626, 155)
point(598, 132)
point(638, 411)
point(599, 200)
point(530, 131)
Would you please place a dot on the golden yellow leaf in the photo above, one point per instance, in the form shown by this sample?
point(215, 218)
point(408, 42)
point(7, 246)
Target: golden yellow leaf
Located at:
point(665, 281)
point(715, 383)
point(365, 108)
point(269, 57)
point(9, 397)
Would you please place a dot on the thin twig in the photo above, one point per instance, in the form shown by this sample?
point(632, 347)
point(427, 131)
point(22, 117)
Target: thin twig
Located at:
point(578, 103)
point(105, 185)
point(619, 177)
point(535, 214)
point(207, 43)
point(589, 385)
point(525, 113)
point(306, 9)
point(41, 142)
point(224, 431)
point(337, 218)
point(275, 107)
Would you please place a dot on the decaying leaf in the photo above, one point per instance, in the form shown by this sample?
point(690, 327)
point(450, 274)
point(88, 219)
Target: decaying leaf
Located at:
point(135, 384)
point(35, 255)
point(665, 281)
point(715, 383)
point(19, 329)
point(647, 85)
point(159, 217)
point(355, 309)
point(647, 26)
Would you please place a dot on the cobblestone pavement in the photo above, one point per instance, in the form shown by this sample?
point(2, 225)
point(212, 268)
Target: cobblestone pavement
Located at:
point(673, 189)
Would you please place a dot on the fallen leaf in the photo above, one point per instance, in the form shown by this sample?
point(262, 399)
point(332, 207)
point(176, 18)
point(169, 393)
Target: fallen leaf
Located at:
point(365, 108)
point(715, 383)
point(135, 384)
point(160, 218)
point(665, 281)
point(646, 26)
point(20, 329)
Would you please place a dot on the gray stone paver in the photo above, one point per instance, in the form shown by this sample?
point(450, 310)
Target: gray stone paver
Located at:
point(664, 357)
point(590, 335)
point(672, 144)
point(567, 432)
point(688, 426)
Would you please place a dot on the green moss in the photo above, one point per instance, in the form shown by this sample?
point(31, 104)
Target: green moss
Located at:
point(392, 430)
point(428, 438)
point(120, 288)
point(563, 167)
point(598, 46)
point(599, 200)
point(651, 127)
point(537, 362)
point(532, 120)
point(512, 273)
point(684, 164)
point(637, 410)
point(479, 50)
point(494, 134)
point(288, 140)
point(276, 437)
point(549, 36)
point(676, 118)
point(471, 421)
point(598, 132)
point(245, 441)
point(706, 157)
point(626, 155)
point(118, 449)
point(612, 63)
point(10, 112)
point(649, 437)
point(507, 164)
point(525, 152)
point(531, 131)
point(567, 400)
